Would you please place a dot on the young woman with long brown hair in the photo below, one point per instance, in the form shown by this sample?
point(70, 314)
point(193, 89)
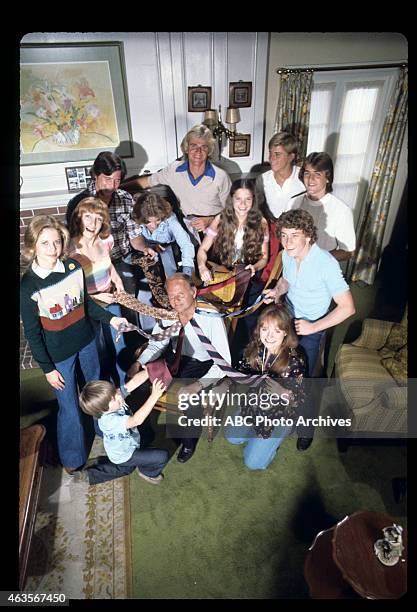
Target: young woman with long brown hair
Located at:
point(273, 351)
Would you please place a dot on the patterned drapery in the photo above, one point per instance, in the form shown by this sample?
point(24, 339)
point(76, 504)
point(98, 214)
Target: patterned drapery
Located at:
point(364, 265)
point(293, 111)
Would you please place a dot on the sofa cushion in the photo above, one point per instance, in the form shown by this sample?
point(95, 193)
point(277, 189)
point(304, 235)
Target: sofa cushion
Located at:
point(397, 365)
point(361, 376)
point(397, 338)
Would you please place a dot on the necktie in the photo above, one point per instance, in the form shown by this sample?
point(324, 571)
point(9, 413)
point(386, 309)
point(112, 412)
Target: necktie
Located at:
point(253, 380)
point(163, 335)
point(173, 368)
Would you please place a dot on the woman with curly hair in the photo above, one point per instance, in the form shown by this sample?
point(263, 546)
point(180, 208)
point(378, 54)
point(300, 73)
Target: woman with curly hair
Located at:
point(91, 245)
point(239, 234)
point(273, 351)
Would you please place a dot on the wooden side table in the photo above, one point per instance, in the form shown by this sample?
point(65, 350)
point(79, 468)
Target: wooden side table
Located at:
point(341, 562)
point(30, 472)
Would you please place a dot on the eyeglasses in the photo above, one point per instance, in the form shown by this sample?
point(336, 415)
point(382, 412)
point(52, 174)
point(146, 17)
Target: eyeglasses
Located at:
point(195, 147)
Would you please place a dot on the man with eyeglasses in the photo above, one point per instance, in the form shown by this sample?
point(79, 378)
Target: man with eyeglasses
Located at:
point(107, 172)
point(200, 187)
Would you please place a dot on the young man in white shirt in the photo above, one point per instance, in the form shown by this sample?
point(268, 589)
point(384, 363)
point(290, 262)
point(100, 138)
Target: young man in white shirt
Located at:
point(332, 217)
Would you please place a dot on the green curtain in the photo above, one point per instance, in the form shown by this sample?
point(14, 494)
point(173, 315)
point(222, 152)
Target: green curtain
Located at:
point(365, 263)
point(293, 112)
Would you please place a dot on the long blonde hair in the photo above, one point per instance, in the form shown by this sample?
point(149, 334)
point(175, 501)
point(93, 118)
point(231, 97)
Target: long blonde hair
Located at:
point(277, 314)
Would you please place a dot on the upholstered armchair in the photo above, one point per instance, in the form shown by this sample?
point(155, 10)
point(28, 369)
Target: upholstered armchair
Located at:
point(371, 378)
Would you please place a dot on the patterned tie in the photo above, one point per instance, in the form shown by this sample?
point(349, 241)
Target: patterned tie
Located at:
point(172, 330)
point(251, 380)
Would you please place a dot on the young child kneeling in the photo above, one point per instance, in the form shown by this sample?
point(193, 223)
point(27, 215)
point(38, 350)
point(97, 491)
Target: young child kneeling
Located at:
point(121, 438)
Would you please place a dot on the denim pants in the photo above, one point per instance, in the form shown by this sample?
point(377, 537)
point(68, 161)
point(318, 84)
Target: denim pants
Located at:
point(149, 461)
point(259, 452)
point(73, 446)
point(130, 276)
point(311, 345)
point(109, 350)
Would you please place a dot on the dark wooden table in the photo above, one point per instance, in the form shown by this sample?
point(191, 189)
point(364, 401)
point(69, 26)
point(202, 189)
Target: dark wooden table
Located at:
point(341, 563)
point(30, 472)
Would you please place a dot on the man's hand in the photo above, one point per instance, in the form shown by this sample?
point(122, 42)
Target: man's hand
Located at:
point(56, 380)
point(303, 327)
point(270, 295)
point(201, 223)
point(150, 252)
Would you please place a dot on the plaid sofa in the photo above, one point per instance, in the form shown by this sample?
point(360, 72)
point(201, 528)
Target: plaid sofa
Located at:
point(372, 397)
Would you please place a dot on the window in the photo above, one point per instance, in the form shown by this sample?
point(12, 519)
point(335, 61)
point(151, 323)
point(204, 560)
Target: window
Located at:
point(347, 113)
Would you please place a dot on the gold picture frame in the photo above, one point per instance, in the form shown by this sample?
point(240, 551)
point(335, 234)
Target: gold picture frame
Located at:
point(199, 99)
point(240, 145)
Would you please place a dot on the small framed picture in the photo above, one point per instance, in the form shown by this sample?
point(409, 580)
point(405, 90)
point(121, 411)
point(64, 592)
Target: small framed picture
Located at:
point(199, 99)
point(240, 94)
point(78, 177)
point(239, 146)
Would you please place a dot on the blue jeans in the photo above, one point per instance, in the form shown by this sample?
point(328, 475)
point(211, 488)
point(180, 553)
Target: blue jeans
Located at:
point(73, 446)
point(150, 461)
point(259, 452)
point(311, 345)
point(109, 350)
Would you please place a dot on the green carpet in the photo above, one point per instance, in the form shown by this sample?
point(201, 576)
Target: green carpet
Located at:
point(214, 529)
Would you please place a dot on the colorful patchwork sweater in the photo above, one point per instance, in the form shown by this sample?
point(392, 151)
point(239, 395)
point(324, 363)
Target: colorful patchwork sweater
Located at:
point(56, 314)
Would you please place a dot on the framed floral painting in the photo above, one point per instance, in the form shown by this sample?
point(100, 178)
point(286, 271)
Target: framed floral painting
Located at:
point(73, 102)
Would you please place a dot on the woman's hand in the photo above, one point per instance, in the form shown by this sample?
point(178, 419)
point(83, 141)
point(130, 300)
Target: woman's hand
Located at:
point(251, 267)
point(205, 274)
point(107, 298)
point(158, 389)
point(116, 322)
point(56, 380)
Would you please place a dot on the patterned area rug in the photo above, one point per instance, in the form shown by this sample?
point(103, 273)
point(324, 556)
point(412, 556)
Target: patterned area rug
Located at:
point(81, 543)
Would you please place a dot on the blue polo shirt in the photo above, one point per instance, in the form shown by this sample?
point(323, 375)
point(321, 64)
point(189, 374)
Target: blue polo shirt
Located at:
point(209, 171)
point(311, 288)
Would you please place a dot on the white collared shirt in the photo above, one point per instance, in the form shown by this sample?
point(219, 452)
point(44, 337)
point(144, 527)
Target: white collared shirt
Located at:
point(279, 198)
point(44, 272)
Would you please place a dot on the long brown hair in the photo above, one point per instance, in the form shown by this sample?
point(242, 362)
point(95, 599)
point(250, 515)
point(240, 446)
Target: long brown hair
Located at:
point(277, 314)
point(253, 235)
point(91, 205)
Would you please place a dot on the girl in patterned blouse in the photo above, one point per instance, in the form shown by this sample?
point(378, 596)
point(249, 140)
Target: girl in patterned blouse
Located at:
point(274, 352)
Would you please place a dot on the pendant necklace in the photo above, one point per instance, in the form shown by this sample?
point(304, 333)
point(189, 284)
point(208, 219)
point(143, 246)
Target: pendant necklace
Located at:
point(265, 360)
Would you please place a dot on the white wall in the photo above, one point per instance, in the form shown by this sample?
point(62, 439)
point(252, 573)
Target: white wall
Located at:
point(160, 66)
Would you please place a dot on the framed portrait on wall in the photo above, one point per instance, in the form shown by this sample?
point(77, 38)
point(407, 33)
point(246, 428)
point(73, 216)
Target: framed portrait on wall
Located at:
point(78, 177)
point(73, 100)
point(239, 146)
point(199, 99)
point(240, 94)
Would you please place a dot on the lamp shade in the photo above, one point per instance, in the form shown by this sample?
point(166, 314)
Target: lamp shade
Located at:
point(232, 115)
point(210, 117)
